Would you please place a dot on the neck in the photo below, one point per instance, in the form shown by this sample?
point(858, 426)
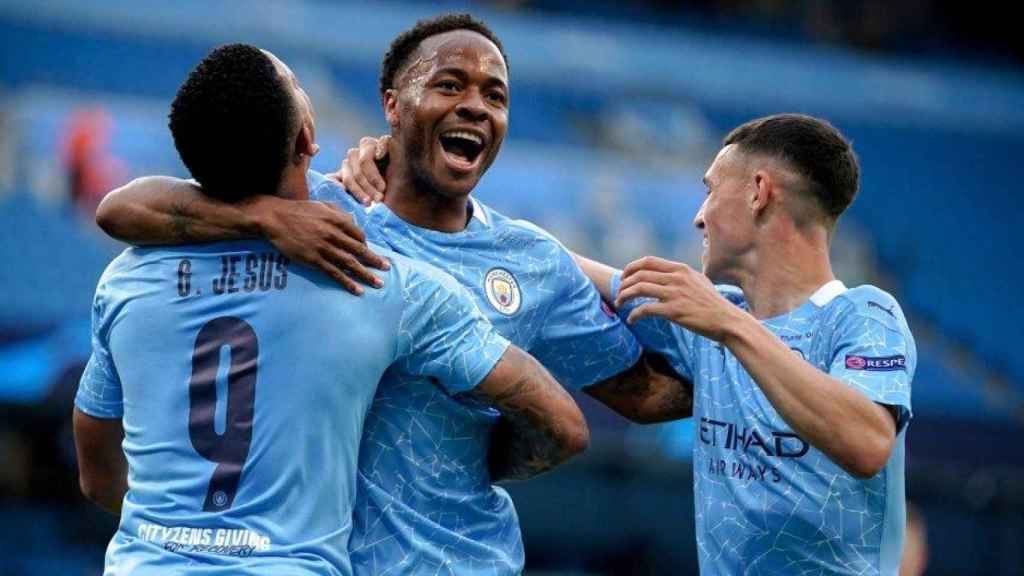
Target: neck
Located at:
point(293, 183)
point(784, 272)
point(419, 204)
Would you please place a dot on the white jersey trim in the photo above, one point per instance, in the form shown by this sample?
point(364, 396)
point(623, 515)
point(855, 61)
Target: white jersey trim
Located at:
point(478, 212)
point(827, 293)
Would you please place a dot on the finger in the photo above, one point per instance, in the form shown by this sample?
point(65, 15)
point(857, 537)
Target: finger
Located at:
point(361, 252)
point(343, 175)
point(363, 185)
point(352, 187)
point(368, 144)
point(340, 277)
point(382, 147)
point(368, 170)
point(647, 310)
point(650, 276)
point(349, 179)
point(652, 263)
point(343, 223)
point(643, 290)
point(351, 266)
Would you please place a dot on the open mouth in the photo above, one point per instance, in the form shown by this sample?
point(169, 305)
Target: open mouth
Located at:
point(462, 149)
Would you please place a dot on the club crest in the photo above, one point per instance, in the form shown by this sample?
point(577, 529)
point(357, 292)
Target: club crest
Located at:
point(502, 291)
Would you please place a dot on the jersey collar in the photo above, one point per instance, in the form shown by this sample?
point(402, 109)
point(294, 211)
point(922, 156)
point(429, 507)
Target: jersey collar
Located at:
point(479, 221)
point(827, 293)
point(478, 212)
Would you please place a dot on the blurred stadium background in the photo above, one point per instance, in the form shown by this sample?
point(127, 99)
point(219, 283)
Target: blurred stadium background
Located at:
point(617, 108)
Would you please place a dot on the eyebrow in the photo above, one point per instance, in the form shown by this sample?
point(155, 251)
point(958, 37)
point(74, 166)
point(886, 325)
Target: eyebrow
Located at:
point(462, 75)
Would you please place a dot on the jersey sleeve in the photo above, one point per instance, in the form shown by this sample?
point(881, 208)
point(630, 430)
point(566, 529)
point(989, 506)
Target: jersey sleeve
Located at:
point(874, 352)
point(99, 390)
point(658, 335)
point(443, 335)
point(582, 342)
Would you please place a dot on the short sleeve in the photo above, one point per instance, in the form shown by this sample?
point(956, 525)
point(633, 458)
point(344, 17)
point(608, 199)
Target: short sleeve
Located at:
point(874, 352)
point(658, 335)
point(582, 341)
point(442, 333)
point(99, 390)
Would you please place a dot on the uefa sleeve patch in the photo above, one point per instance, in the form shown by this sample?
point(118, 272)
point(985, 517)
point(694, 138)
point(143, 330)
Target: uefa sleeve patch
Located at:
point(876, 364)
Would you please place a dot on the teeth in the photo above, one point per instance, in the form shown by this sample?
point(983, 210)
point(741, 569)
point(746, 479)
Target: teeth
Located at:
point(465, 136)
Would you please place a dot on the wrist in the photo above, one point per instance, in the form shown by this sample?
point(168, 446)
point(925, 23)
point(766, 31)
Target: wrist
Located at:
point(738, 328)
point(257, 214)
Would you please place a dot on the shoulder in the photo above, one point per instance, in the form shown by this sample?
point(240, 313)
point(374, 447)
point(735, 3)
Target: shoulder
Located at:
point(323, 189)
point(412, 273)
point(866, 306)
point(317, 182)
point(869, 301)
point(518, 233)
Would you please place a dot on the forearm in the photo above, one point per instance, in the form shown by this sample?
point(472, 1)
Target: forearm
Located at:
point(159, 210)
point(110, 494)
point(541, 426)
point(102, 466)
point(648, 393)
point(851, 429)
point(600, 275)
point(521, 449)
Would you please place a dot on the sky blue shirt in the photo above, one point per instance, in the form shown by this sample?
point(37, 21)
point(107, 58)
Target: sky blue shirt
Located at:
point(768, 503)
point(243, 383)
point(425, 503)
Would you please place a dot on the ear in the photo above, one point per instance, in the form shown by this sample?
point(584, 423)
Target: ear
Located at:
point(390, 100)
point(762, 191)
point(305, 145)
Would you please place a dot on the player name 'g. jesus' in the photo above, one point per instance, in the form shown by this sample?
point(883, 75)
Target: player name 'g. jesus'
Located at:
point(239, 273)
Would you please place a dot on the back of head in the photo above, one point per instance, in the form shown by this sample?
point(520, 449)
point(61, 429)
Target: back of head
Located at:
point(405, 44)
point(812, 148)
point(233, 120)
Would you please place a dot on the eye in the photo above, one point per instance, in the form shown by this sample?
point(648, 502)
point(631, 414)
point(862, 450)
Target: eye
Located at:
point(496, 97)
point(448, 85)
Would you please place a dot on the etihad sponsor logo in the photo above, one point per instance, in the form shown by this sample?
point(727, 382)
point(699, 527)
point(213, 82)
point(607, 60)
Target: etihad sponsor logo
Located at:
point(876, 364)
point(743, 470)
point(729, 436)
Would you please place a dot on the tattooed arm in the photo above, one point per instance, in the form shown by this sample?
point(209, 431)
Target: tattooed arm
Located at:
point(162, 210)
point(541, 426)
point(648, 392)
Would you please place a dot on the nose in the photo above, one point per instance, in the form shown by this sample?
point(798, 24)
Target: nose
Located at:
point(698, 220)
point(472, 107)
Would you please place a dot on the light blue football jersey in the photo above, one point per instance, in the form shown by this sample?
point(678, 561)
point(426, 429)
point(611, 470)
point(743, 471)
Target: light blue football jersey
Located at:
point(243, 383)
point(425, 503)
point(767, 502)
